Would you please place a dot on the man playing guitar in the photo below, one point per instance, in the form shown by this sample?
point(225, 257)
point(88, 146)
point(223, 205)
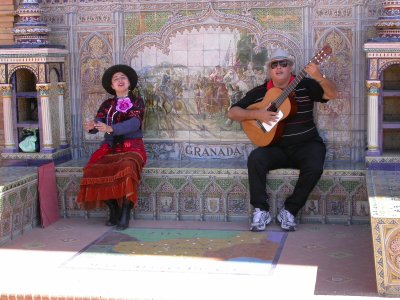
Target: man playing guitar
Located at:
point(296, 145)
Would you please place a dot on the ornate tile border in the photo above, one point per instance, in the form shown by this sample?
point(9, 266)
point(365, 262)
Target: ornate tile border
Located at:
point(215, 190)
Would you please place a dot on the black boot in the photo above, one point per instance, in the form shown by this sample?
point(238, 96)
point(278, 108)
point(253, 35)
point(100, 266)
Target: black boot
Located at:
point(123, 222)
point(114, 212)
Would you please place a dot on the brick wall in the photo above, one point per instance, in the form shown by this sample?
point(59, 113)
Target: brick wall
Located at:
point(7, 10)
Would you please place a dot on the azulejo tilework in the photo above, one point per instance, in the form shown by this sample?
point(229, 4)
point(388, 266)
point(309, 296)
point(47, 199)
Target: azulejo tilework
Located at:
point(18, 201)
point(183, 251)
point(218, 190)
point(384, 198)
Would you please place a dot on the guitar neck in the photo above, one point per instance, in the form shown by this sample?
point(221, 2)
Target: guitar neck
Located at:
point(289, 88)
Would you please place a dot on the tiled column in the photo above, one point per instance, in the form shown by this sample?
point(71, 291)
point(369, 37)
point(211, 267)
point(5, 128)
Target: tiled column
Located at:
point(60, 94)
point(47, 138)
point(9, 141)
point(373, 117)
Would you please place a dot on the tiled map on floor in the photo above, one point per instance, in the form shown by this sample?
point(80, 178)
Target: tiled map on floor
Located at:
point(182, 250)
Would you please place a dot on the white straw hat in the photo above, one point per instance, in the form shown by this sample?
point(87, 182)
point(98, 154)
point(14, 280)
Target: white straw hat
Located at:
point(279, 54)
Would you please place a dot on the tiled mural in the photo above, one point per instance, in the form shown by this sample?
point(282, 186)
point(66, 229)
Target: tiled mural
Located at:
point(195, 58)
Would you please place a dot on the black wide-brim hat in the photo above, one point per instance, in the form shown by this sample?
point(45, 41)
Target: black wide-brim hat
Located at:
point(108, 74)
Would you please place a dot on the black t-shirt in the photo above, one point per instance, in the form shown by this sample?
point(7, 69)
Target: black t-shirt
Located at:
point(300, 127)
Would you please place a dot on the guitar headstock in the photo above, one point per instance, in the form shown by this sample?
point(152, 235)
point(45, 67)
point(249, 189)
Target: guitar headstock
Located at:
point(322, 55)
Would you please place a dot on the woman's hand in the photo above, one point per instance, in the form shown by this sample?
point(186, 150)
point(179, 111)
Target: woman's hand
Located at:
point(88, 125)
point(102, 127)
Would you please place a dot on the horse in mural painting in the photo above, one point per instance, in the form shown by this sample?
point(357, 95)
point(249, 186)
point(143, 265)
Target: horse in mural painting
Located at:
point(237, 88)
point(169, 94)
point(216, 98)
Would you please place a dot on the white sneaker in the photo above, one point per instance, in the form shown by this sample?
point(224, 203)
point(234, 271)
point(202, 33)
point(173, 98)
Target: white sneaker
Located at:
point(261, 219)
point(287, 220)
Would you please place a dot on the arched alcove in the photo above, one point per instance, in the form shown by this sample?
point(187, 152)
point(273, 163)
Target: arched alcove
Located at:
point(25, 106)
point(390, 108)
point(30, 85)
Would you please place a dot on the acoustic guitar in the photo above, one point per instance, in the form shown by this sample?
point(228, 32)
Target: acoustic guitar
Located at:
point(280, 101)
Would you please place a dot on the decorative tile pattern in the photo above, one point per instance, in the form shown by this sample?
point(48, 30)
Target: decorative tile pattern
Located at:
point(384, 199)
point(193, 62)
point(18, 201)
point(190, 190)
point(187, 190)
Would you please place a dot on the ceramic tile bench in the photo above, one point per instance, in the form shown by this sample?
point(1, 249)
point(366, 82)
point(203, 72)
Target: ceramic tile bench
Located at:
point(383, 186)
point(218, 191)
point(188, 190)
point(18, 201)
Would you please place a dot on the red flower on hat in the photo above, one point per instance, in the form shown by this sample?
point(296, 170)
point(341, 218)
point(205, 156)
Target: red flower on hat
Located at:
point(123, 105)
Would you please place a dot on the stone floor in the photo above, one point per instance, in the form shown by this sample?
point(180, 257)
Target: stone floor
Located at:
point(319, 261)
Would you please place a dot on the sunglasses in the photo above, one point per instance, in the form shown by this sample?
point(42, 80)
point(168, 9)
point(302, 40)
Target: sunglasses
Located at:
point(282, 63)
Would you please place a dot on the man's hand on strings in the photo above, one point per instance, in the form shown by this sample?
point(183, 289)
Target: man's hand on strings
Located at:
point(266, 116)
